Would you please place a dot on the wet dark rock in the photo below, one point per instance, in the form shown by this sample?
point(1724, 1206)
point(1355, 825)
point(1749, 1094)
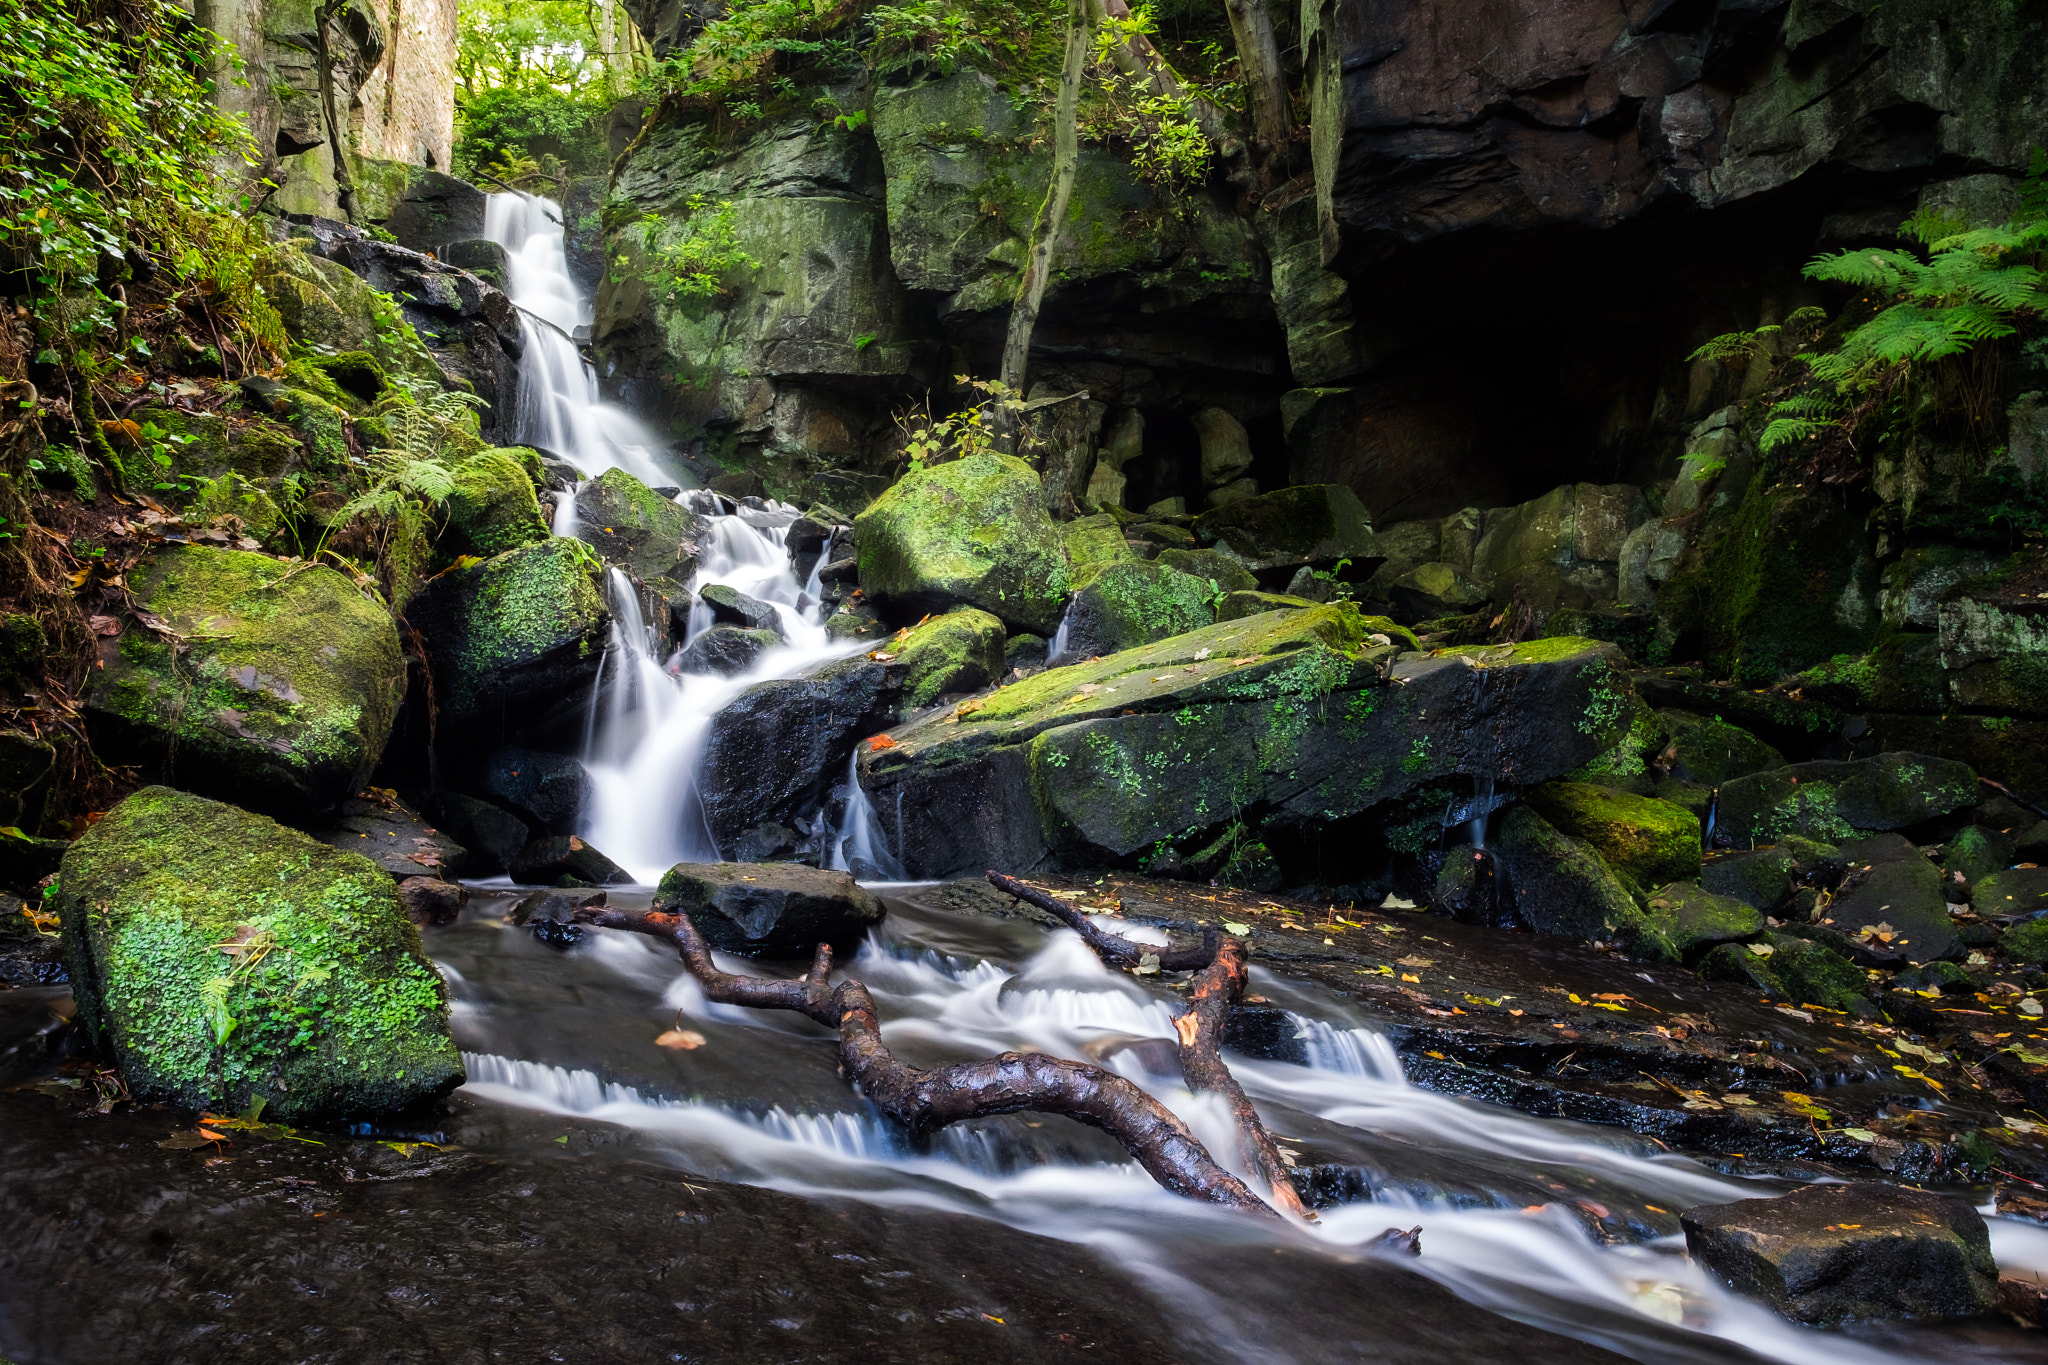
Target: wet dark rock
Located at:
point(429, 900)
point(764, 842)
point(555, 905)
point(2016, 891)
point(1691, 918)
point(1946, 977)
point(548, 790)
point(726, 650)
point(1892, 905)
point(1834, 1254)
point(565, 860)
point(731, 607)
point(1468, 886)
point(812, 535)
point(1830, 799)
point(1308, 524)
point(1710, 751)
point(28, 957)
point(1762, 878)
point(1025, 651)
point(777, 751)
point(2032, 846)
point(770, 909)
point(1563, 888)
point(393, 836)
point(1975, 852)
point(490, 835)
point(514, 635)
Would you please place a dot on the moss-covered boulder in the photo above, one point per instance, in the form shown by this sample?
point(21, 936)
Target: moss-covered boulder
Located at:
point(231, 495)
point(1220, 569)
point(2026, 942)
point(1835, 800)
point(1562, 886)
point(1135, 603)
point(220, 959)
point(1691, 918)
point(1792, 582)
point(637, 529)
point(1235, 606)
point(1095, 540)
point(1710, 751)
point(2015, 891)
point(1646, 840)
point(961, 651)
point(493, 508)
point(972, 532)
point(1893, 904)
point(275, 684)
point(1793, 971)
point(1314, 524)
point(1762, 878)
point(1994, 648)
point(1293, 715)
point(1976, 852)
point(516, 633)
point(326, 305)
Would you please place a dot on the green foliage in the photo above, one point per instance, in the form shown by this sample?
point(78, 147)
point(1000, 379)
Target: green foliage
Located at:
point(943, 37)
point(110, 141)
point(1972, 286)
point(1167, 147)
point(533, 83)
point(929, 440)
point(692, 257)
point(749, 47)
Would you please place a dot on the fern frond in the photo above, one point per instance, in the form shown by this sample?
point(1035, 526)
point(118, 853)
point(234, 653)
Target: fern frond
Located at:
point(1881, 270)
point(1785, 430)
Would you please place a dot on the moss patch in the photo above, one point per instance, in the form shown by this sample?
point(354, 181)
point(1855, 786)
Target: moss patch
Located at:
point(493, 508)
point(220, 958)
point(285, 695)
point(1649, 841)
point(958, 652)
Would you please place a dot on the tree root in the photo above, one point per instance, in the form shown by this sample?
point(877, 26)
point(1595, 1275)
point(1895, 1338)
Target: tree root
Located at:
point(1221, 966)
point(927, 1100)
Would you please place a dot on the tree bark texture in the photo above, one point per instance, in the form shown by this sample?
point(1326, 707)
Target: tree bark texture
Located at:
point(1258, 52)
point(1052, 213)
point(928, 1100)
point(1221, 965)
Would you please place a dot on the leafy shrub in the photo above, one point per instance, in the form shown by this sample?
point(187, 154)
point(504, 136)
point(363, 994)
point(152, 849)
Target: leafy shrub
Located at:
point(692, 257)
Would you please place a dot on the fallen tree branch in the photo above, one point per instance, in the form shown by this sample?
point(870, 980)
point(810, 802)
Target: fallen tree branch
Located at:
point(1114, 948)
point(1217, 990)
point(928, 1100)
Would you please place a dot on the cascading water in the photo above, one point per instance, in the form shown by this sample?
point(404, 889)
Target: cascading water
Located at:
point(1553, 1224)
point(650, 724)
point(559, 409)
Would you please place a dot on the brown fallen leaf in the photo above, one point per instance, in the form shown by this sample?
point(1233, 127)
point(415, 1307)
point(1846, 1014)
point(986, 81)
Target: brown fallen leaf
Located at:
point(104, 625)
point(681, 1039)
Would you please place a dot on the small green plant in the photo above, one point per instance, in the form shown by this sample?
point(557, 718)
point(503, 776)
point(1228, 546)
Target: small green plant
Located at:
point(693, 257)
point(929, 440)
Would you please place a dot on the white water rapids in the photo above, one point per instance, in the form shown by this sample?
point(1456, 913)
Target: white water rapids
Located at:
point(1544, 1222)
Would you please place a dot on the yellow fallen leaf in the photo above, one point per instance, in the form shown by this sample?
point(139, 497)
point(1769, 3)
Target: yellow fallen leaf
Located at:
point(1187, 1026)
point(1410, 976)
point(682, 1039)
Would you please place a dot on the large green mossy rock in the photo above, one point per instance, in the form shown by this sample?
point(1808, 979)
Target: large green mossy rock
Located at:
point(325, 305)
point(1563, 887)
point(1710, 751)
point(218, 958)
point(1835, 800)
point(282, 695)
point(1134, 603)
point(516, 633)
point(1316, 523)
point(1295, 714)
point(973, 532)
point(961, 651)
point(1095, 540)
point(493, 508)
point(1792, 583)
point(1691, 918)
point(1793, 971)
point(639, 530)
point(1651, 842)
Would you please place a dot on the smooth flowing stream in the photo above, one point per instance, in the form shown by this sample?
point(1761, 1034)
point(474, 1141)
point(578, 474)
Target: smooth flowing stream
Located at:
point(1562, 1226)
point(1566, 1227)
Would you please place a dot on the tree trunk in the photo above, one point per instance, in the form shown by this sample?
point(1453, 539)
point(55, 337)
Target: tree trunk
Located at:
point(344, 184)
point(1258, 52)
point(928, 1100)
point(1052, 215)
point(1221, 965)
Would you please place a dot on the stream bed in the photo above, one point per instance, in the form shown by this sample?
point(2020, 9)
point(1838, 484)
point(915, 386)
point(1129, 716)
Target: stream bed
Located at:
point(594, 1196)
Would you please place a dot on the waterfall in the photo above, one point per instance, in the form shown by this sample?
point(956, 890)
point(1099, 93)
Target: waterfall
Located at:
point(649, 724)
point(558, 409)
point(857, 845)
